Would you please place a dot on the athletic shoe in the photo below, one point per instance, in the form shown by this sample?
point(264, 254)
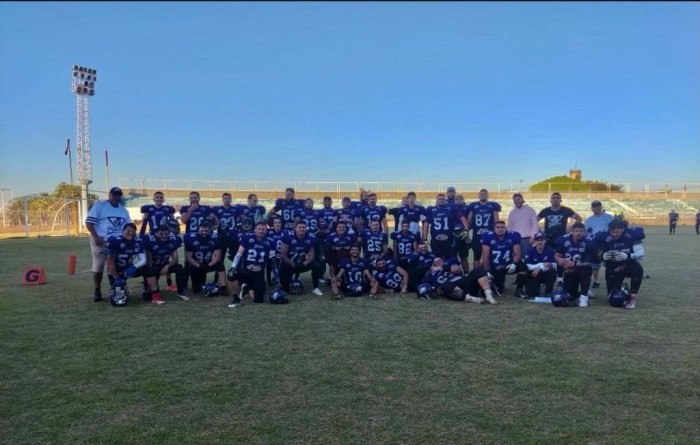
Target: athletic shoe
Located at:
point(583, 301)
point(322, 280)
point(183, 297)
point(157, 299)
point(471, 299)
point(235, 302)
point(171, 288)
point(336, 297)
point(98, 296)
point(631, 302)
point(318, 292)
point(373, 297)
point(595, 285)
point(242, 292)
point(520, 293)
point(424, 297)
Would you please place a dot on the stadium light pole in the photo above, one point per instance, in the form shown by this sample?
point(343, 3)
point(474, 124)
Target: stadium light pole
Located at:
point(83, 87)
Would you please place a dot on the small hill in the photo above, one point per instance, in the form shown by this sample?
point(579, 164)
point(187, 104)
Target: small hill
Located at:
point(564, 184)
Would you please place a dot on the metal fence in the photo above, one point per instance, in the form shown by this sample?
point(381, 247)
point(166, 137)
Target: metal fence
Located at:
point(27, 217)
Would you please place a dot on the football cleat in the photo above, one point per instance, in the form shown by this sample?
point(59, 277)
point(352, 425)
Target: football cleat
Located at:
point(296, 287)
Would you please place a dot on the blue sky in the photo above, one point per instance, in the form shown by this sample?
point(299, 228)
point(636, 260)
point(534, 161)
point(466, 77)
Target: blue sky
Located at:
point(461, 92)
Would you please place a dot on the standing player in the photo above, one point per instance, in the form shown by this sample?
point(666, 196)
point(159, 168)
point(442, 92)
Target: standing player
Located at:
point(374, 242)
point(203, 255)
point(672, 221)
point(126, 259)
point(556, 217)
point(155, 215)
point(374, 212)
point(194, 214)
point(622, 250)
point(440, 220)
point(500, 255)
point(298, 256)
point(251, 210)
point(405, 243)
point(397, 214)
point(344, 214)
point(575, 254)
point(288, 207)
point(451, 195)
point(161, 252)
point(255, 252)
point(462, 241)
point(482, 216)
point(541, 265)
point(596, 223)
point(357, 206)
point(227, 214)
point(413, 213)
point(105, 219)
point(697, 223)
point(352, 274)
point(275, 234)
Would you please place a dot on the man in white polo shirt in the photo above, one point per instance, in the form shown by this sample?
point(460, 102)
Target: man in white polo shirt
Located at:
point(105, 219)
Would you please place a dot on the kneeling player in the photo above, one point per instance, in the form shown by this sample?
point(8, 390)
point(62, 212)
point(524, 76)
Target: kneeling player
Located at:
point(298, 256)
point(388, 276)
point(541, 265)
point(122, 251)
point(418, 264)
point(203, 255)
point(254, 253)
point(575, 254)
point(161, 252)
point(622, 250)
point(353, 275)
point(500, 255)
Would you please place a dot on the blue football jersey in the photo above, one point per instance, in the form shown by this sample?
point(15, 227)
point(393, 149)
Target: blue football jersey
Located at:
point(372, 243)
point(327, 215)
point(256, 213)
point(441, 220)
point(288, 211)
point(256, 253)
point(162, 251)
point(501, 249)
point(202, 248)
point(437, 278)
point(482, 216)
point(354, 272)
point(227, 217)
point(625, 243)
point(389, 278)
point(124, 251)
point(299, 248)
point(337, 242)
point(417, 258)
point(276, 240)
point(582, 251)
point(459, 210)
point(405, 243)
point(310, 217)
point(532, 256)
point(156, 216)
point(197, 217)
point(376, 213)
point(414, 215)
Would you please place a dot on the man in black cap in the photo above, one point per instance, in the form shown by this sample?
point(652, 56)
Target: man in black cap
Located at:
point(105, 219)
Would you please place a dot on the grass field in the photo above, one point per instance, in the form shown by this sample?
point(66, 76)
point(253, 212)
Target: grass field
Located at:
point(355, 371)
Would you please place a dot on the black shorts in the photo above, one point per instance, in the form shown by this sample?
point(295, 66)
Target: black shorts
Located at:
point(476, 247)
point(462, 248)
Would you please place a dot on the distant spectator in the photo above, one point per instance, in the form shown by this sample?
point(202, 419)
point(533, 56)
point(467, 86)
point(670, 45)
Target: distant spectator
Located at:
point(672, 220)
point(523, 219)
point(596, 223)
point(697, 223)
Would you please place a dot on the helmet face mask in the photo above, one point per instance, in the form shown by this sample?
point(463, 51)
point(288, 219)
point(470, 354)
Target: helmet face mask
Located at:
point(424, 291)
point(296, 287)
point(210, 290)
point(278, 296)
point(560, 299)
point(118, 296)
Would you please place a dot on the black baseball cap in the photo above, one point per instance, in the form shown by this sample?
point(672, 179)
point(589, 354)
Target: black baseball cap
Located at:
point(451, 189)
point(596, 203)
point(539, 235)
point(115, 191)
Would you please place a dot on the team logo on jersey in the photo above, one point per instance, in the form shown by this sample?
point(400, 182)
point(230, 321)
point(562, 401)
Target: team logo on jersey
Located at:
point(116, 221)
point(555, 220)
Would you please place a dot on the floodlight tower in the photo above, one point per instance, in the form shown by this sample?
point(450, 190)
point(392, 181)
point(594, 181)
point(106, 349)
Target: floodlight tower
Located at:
point(84, 80)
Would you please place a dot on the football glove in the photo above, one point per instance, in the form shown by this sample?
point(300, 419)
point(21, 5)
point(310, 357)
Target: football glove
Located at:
point(130, 272)
point(511, 268)
point(621, 256)
point(609, 255)
point(231, 274)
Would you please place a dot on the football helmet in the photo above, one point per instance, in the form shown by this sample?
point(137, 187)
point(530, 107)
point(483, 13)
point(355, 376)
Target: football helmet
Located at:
point(618, 297)
point(560, 299)
point(210, 290)
point(355, 289)
point(119, 295)
point(296, 287)
point(174, 226)
point(424, 290)
point(278, 296)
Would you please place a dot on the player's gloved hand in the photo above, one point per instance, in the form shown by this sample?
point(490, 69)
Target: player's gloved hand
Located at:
point(231, 274)
point(130, 272)
point(609, 255)
point(119, 282)
point(511, 268)
point(621, 256)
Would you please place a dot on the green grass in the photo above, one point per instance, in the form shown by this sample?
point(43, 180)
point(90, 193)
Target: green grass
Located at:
point(356, 371)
